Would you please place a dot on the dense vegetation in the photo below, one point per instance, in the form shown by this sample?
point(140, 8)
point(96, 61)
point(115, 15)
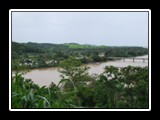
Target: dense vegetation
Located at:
point(114, 88)
point(36, 55)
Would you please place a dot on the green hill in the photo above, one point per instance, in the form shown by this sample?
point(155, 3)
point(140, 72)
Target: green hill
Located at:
point(75, 46)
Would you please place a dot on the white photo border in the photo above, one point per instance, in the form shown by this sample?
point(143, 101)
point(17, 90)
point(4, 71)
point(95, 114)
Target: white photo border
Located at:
point(80, 10)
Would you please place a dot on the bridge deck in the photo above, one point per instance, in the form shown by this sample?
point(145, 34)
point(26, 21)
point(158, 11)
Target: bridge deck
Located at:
point(128, 58)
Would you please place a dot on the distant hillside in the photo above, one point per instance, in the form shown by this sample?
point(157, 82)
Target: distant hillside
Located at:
point(20, 48)
point(42, 47)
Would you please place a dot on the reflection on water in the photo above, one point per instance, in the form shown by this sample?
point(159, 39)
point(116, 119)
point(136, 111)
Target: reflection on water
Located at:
point(47, 75)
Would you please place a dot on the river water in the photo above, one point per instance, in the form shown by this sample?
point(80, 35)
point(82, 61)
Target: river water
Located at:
point(45, 76)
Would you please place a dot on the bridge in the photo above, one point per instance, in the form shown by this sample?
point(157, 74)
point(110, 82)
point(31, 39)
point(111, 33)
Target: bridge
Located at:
point(123, 58)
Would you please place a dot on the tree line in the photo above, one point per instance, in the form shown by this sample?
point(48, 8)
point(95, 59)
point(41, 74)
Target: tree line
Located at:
point(36, 55)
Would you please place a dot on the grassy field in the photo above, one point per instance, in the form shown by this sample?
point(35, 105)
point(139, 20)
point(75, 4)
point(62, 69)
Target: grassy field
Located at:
point(75, 46)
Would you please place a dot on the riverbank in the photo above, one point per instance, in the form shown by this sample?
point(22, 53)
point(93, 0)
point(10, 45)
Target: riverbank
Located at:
point(93, 63)
point(44, 76)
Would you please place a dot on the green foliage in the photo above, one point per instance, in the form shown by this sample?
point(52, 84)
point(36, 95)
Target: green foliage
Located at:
point(73, 74)
point(115, 88)
point(26, 94)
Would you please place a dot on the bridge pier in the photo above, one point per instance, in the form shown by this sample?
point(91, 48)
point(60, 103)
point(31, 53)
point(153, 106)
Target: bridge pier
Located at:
point(133, 59)
point(123, 60)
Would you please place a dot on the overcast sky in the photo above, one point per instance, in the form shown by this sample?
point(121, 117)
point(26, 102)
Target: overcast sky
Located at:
point(97, 28)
